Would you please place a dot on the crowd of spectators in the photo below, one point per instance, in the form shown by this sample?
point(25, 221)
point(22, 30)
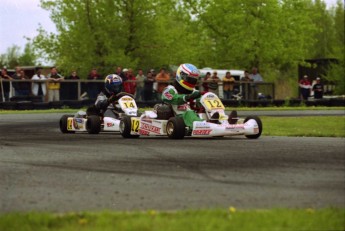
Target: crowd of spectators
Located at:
point(144, 86)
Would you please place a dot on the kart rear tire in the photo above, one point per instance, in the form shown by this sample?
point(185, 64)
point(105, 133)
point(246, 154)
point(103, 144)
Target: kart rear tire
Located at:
point(63, 124)
point(93, 124)
point(164, 111)
point(176, 129)
point(258, 121)
point(126, 127)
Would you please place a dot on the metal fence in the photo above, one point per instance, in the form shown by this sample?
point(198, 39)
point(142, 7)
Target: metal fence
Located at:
point(81, 89)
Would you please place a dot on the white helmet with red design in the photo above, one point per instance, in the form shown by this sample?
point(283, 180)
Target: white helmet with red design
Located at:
point(187, 76)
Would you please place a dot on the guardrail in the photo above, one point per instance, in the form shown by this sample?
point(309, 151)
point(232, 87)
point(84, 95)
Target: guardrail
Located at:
point(74, 89)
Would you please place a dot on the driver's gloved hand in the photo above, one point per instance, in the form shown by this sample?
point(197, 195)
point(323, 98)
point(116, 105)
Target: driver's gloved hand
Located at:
point(195, 94)
point(111, 99)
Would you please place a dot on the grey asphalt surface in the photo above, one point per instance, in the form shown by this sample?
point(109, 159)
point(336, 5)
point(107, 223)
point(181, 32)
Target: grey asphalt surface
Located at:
point(42, 169)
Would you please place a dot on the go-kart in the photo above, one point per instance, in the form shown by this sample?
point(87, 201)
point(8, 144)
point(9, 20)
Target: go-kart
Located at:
point(164, 121)
point(96, 120)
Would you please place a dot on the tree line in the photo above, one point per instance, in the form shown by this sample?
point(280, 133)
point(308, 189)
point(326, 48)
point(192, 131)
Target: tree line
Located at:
point(273, 35)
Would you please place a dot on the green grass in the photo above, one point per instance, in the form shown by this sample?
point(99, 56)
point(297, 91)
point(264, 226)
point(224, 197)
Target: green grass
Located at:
point(206, 220)
point(314, 126)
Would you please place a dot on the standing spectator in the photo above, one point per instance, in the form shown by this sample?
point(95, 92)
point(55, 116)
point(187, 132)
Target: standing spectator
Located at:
point(72, 88)
point(140, 85)
point(228, 85)
point(305, 87)
point(21, 88)
point(5, 86)
point(130, 84)
point(318, 89)
point(245, 85)
point(54, 79)
point(162, 80)
point(120, 73)
point(255, 77)
point(148, 87)
point(205, 84)
point(38, 85)
point(213, 85)
point(94, 88)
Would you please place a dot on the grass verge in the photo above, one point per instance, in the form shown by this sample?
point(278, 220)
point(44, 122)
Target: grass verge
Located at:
point(206, 220)
point(313, 126)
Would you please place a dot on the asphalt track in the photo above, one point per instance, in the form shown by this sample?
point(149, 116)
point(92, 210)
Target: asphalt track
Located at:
point(42, 169)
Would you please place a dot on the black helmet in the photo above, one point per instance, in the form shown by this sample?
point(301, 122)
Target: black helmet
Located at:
point(113, 84)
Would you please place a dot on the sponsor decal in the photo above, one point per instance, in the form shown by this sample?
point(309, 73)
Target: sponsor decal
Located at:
point(150, 128)
point(110, 125)
point(79, 120)
point(168, 95)
point(201, 124)
point(126, 98)
point(183, 107)
point(210, 96)
point(146, 120)
point(144, 133)
point(203, 132)
point(75, 124)
point(234, 126)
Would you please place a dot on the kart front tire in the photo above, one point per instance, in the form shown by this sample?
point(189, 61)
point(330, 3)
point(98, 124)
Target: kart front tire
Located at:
point(258, 121)
point(176, 128)
point(63, 124)
point(93, 124)
point(125, 128)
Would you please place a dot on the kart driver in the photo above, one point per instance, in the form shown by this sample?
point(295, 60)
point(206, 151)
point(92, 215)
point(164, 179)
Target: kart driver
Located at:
point(182, 91)
point(112, 86)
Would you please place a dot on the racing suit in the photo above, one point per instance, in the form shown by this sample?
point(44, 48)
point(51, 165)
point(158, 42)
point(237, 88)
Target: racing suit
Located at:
point(180, 105)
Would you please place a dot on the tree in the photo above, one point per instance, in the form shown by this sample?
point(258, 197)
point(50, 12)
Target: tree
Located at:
point(258, 33)
point(11, 58)
point(108, 33)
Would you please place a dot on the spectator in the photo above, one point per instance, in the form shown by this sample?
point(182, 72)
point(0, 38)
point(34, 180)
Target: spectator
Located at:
point(39, 87)
point(305, 87)
point(255, 77)
point(154, 93)
point(54, 79)
point(72, 88)
point(148, 87)
point(94, 88)
point(120, 73)
point(228, 85)
point(245, 85)
point(5, 86)
point(130, 84)
point(205, 84)
point(162, 80)
point(140, 85)
point(21, 88)
point(318, 89)
point(213, 85)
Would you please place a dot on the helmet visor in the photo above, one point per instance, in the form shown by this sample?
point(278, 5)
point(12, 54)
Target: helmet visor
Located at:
point(191, 80)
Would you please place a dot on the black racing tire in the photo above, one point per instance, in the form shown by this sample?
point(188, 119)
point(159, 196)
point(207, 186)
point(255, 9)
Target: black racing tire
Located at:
point(258, 121)
point(125, 128)
point(92, 110)
point(93, 124)
point(176, 128)
point(63, 124)
point(164, 111)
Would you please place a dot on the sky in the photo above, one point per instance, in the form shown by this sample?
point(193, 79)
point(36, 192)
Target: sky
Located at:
point(21, 18)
